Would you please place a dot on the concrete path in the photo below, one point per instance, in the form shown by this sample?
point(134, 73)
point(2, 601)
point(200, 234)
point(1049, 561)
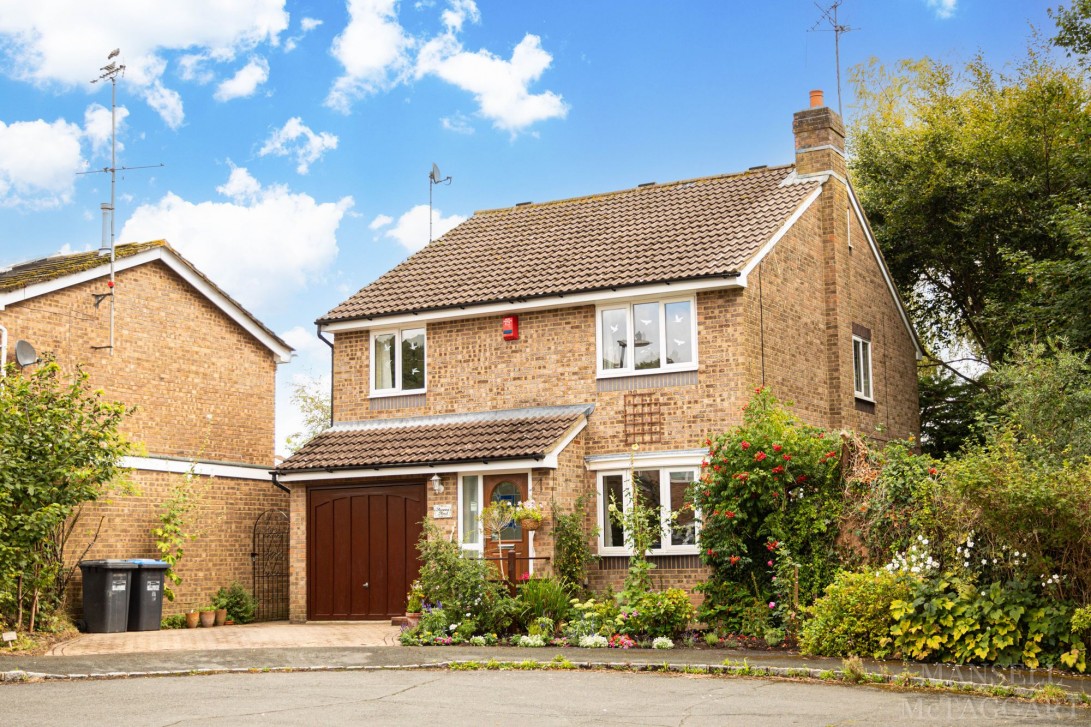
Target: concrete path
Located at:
point(271, 635)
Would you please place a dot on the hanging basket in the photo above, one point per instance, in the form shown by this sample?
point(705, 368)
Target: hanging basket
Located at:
point(530, 524)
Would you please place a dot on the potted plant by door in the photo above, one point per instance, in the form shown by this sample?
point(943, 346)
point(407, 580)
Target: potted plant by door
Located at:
point(192, 618)
point(208, 617)
point(413, 604)
point(529, 514)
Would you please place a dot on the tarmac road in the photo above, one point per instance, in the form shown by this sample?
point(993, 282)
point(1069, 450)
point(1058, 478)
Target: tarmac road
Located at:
point(513, 698)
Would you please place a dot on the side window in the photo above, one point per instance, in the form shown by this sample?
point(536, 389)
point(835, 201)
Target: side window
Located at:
point(398, 361)
point(861, 367)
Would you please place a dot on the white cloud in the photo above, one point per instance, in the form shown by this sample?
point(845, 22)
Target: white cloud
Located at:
point(944, 8)
point(499, 86)
point(305, 26)
point(309, 24)
point(245, 81)
point(411, 229)
point(298, 140)
point(97, 127)
point(458, 12)
point(38, 163)
point(262, 244)
point(457, 123)
point(50, 45)
point(380, 221)
point(373, 49)
point(194, 67)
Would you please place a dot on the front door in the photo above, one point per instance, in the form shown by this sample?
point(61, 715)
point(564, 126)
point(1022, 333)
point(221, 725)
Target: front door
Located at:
point(513, 538)
point(361, 550)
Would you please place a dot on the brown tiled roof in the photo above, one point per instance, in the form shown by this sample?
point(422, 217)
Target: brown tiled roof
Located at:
point(449, 438)
point(692, 229)
point(57, 266)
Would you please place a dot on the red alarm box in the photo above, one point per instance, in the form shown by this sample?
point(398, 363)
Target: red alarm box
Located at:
point(511, 328)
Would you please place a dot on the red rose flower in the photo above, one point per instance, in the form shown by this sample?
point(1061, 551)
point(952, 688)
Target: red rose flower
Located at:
point(729, 514)
point(772, 545)
point(777, 447)
point(710, 551)
point(933, 471)
point(801, 479)
point(742, 476)
point(787, 458)
point(734, 559)
point(745, 445)
point(778, 469)
point(759, 456)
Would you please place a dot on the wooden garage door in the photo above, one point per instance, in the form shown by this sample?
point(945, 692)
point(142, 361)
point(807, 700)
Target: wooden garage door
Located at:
point(362, 550)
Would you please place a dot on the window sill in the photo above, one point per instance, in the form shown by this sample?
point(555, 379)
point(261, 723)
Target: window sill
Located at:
point(865, 399)
point(625, 373)
point(625, 553)
point(396, 392)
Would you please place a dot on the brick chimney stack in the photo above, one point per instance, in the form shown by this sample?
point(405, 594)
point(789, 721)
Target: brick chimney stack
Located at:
point(820, 139)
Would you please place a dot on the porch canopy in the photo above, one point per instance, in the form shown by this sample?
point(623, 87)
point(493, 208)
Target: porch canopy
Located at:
point(531, 437)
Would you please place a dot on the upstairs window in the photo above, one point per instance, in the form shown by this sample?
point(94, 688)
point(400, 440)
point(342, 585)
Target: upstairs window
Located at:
point(861, 368)
point(398, 361)
point(647, 337)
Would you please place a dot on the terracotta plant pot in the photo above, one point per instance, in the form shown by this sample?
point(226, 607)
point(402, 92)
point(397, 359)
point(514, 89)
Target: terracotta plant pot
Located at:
point(221, 616)
point(208, 619)
point(412, 619)
point(192, 618)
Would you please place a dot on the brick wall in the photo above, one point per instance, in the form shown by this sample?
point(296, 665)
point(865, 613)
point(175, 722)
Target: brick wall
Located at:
point(202, 387)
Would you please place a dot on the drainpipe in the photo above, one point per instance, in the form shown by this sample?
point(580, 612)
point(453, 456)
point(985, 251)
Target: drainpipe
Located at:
point(330, 344)
point(3, 351)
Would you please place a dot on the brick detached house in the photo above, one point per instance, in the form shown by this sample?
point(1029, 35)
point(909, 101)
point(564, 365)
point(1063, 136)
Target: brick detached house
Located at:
point(200, 372)
point(525, 352)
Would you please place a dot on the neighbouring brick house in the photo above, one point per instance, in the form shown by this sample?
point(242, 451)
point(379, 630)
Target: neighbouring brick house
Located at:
point(526, 351)
point(200, 372)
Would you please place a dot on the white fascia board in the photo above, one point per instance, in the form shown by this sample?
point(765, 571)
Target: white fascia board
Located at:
point(655, 460)
point(882, 268)
point(503, 466)
point(767, 247)
point(208, 469)
point(553, 454)
point(229, 307)
point(551, 302)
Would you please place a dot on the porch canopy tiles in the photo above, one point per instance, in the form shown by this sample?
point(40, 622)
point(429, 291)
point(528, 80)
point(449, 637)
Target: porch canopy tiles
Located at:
point(536, 433)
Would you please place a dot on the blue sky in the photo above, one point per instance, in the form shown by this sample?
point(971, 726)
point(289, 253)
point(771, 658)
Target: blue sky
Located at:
point(297, 136)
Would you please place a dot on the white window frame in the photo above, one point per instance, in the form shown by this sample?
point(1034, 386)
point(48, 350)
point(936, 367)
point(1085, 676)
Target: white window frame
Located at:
point(397, 389)
point(627, 306)
point(665, 547)
point(479, 546)
point(858, 389)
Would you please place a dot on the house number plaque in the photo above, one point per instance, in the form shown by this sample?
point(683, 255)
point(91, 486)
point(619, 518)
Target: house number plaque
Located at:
point(441, 511)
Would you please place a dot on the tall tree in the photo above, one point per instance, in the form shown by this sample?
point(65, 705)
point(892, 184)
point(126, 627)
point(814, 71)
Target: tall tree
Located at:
point(976, 183)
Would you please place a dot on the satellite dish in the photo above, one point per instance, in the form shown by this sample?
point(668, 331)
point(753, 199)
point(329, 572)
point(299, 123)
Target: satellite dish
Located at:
point(435, 176)
point(25, 355)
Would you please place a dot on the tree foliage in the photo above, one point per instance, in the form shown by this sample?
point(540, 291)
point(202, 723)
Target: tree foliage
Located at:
point(976, 185)
point(312, 397)
point(1073, 28)
point(60, 446)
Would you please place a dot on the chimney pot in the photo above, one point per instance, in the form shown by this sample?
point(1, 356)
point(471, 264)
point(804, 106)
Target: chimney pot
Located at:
point(816, 99)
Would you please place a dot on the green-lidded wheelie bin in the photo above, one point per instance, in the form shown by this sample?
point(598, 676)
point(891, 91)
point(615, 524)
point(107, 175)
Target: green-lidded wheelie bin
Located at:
point(146, 598)
point(106, 587)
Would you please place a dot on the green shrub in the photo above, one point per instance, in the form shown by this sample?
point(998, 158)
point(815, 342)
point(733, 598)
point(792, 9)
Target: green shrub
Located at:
point(462, 583)
point(591, 617)
point(240, 604)
point(657, 613)
point(948, 619)
point(177, 621)
point(542, 598)
point(853, 617)
point(571, 546)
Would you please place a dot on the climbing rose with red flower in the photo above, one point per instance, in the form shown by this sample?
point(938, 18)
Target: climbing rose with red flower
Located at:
point(729, 514)
point(734, 559)
point(787, 458)
point(777, 447)
point(759, 456)
point(778, 469)
point(801, 479)
point(933, 471)
point(772, 545)
point(742, 475)
point(745, 445)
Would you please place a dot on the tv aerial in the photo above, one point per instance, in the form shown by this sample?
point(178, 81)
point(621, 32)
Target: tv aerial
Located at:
point(829, 17)
point(434, 177)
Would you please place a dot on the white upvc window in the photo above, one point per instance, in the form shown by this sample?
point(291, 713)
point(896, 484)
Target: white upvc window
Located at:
point(469, 513)
point(664, 488)
point(861, 368)
point(398, 361)
point(647, 336)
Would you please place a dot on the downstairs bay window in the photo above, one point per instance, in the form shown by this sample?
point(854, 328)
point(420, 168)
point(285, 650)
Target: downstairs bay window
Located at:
point(663, 489)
